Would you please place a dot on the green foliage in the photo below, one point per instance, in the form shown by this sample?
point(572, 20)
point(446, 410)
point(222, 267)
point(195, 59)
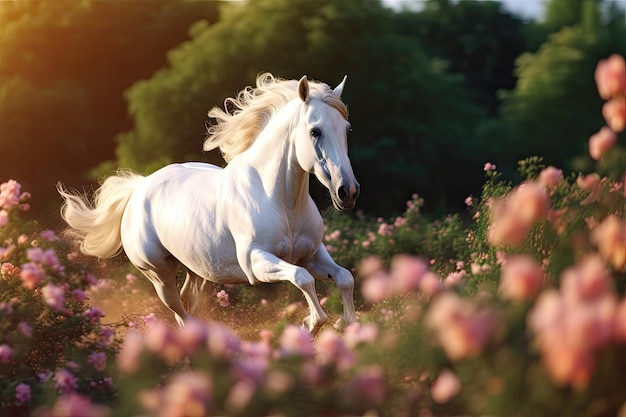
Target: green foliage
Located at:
point(51, 339)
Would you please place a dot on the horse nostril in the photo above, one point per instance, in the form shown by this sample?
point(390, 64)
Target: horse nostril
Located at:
point(357, 192)
point(342, 193)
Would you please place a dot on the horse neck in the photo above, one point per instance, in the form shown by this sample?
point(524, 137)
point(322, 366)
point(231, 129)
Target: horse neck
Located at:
point(273, 156)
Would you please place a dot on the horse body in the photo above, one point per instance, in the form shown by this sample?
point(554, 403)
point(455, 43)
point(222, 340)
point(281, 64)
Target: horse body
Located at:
point(250, 222)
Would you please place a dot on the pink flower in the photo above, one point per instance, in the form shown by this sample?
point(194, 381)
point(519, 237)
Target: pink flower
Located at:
point(610, 238)
point(6, 353)
point(376, 287)
point(25, 329)
point(54, 296)
point(589, 279)
point(31, 275)
point(549, 177)
point(614, 112)
point(610, 76)
point(98, 361)
point(222, 296)
point(461, 328)
point(192, 336)
point(357, 333)
point(521, 278)
point(601, 142)
point(591, 183)
point(330, 348)
point(513, 216)
point(65, 381)
point(75, 405)
point(49, 235)
point(9, 269)
point(385, 229)
point(10, 193)
point(431, 284)
point(446, 386)
point(162, 340)
point(94, 314)
point(130, 352)
point(489, 167)
point(187, 393)
point(407, 272)
point(79, 295)
point(240, 395)
point(367, 389)
point(22, 393)
point(296, 341)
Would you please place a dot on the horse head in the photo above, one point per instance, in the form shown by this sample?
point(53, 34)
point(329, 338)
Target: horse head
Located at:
point(322, 142)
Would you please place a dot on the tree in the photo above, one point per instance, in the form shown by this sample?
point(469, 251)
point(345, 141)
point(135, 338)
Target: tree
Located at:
point(63, 67)
point(401, 101)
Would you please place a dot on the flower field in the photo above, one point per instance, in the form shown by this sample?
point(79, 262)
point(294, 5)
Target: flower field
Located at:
point(515, 308)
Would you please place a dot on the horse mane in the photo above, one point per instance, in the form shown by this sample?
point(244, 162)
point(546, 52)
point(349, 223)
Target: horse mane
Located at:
point(235, 128)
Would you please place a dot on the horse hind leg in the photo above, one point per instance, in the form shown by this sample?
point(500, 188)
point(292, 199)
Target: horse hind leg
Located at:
point(165, 285)
point(191, 291)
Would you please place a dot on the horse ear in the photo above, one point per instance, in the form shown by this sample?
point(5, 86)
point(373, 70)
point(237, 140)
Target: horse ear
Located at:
point(339, 89)
point(303, 89)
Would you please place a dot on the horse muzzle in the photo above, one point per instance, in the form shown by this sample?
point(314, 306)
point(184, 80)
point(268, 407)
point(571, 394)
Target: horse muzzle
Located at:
point(346, 196)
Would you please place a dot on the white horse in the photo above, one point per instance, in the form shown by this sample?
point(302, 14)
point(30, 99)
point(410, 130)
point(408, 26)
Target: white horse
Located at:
point(250, 222)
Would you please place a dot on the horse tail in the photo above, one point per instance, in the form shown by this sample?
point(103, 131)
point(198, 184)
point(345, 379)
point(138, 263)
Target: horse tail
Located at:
point(96, 224)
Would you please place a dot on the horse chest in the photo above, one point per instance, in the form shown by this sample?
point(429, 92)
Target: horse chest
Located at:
point(294, 249)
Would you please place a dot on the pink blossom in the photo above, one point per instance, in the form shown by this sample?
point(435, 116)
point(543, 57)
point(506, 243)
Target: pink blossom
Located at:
point(330, 348)
point(454, 278)
point(6, 353)
point(94, 314)
point(431, 284)
point(445, 387)
point(469, 201)
point(376, 287)
point(106, 335)
point(614, 112)
point(130, 352)
point(240, 395)
point(31, 275)
point(296, 341)
point(222, 296)
point(588, 279)
point(79, 295)
point(601, 142)
point(10, 193)
point(461, 328)
point(54, 296)
point(385, 229)
point(75, 405)
point(370, 265)
point(521, 278)
point(550, 177)
point(334, 235)
point(49, 235)
point(357, 333)
point(25, 329)
point(513, 216)
point(65, 381)
point(22, 393)
point(591, 183)
point(610, 76)
point(192, 336)
point(97, 360)
point(188, 393)
point(162, 340)
point(610, 238)
point(489, 167)
point(407, 272)
point(368, 388)
point(8, 269)
point(222, 343)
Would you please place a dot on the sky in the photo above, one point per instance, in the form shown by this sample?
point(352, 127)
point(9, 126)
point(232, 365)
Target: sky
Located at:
point(524, 8)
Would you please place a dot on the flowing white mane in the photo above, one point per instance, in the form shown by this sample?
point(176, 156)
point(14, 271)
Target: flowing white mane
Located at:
point(237, 127)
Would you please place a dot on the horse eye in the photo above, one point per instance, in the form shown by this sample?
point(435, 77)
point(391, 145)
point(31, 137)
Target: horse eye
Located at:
point(315, 133)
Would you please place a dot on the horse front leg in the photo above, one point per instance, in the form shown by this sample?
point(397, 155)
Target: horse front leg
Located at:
point(323, 267)
point(266, 267)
